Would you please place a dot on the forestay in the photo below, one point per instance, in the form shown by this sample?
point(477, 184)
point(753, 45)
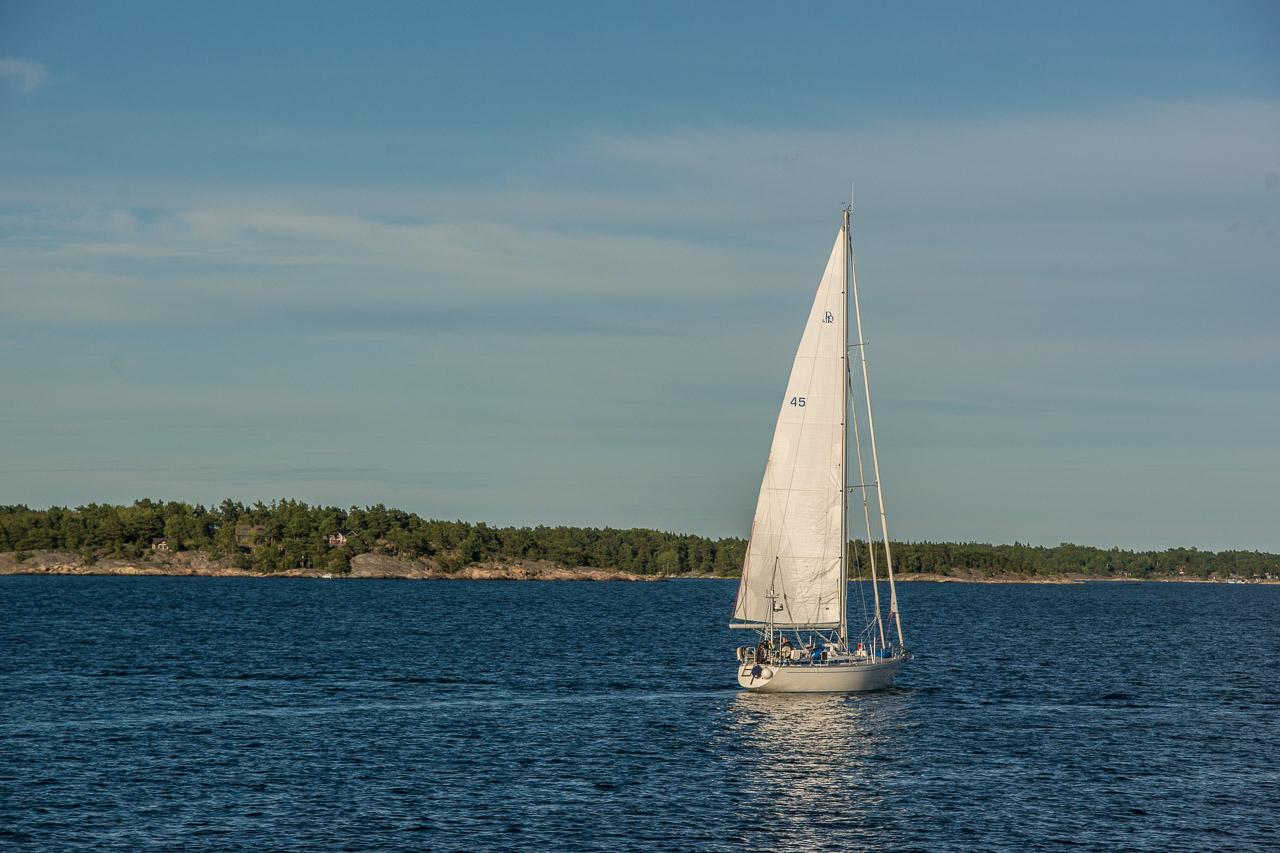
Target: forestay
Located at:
point(795, 550)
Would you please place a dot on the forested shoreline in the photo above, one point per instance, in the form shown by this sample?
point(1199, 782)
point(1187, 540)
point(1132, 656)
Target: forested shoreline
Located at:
point(288, 534)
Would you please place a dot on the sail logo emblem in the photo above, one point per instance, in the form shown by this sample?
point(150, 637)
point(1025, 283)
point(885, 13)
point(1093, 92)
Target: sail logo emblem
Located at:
point(828, 318)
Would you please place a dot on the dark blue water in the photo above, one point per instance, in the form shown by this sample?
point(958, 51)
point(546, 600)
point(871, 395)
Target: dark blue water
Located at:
point(227, 715)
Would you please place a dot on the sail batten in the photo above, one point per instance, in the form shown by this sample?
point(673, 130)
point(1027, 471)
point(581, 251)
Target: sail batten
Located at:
point(794, 574)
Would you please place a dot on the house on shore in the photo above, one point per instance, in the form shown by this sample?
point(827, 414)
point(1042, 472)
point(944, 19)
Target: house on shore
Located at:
point(339, 538)
point(247, 534)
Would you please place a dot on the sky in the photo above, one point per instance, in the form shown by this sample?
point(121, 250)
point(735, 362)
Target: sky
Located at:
point(548, 263)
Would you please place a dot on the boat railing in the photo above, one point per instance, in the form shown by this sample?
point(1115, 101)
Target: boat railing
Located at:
point(750, 655)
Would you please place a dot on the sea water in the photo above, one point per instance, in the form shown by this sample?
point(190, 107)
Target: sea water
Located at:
point(198, 714)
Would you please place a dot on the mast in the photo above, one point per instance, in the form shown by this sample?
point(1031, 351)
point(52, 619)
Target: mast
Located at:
point(844, 439)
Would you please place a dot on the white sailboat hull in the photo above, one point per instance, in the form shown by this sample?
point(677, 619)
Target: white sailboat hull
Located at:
point(825, 678)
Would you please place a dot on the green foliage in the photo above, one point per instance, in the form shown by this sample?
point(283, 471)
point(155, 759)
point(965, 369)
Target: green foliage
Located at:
point(295, 534)
point(338, 562)
point(949, 558)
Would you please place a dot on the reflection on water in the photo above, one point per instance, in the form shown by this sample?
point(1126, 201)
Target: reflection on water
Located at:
point(803, 763)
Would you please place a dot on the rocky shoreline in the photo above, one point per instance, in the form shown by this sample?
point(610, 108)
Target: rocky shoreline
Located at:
point(196, 564)
point(377, 566)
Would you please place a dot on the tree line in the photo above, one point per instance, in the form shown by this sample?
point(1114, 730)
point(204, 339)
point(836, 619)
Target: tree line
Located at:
point(1029, 561)
point(286, 534)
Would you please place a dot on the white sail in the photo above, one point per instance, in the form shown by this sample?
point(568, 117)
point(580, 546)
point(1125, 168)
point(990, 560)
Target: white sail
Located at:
point(793, 575)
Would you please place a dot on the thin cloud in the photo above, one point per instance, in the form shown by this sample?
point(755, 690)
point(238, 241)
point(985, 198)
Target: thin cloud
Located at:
point(1054, 227)
point(23, 76)
point(1149, 149)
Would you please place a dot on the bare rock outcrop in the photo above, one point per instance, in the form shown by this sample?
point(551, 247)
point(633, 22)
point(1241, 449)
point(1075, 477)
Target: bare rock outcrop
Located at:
point(198, 564)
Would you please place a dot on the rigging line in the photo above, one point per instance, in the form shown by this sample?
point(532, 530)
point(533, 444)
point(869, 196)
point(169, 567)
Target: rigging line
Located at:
point(773, 596)
point(740, 601)
point(875, 458)
point(858, 442)
point(866, 512)
point(786, 602)
point(862, 593)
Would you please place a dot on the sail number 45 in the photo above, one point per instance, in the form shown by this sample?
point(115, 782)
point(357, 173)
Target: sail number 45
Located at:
point(797, 401)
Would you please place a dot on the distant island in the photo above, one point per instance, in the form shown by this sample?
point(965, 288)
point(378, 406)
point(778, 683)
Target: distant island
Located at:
point(288, 538)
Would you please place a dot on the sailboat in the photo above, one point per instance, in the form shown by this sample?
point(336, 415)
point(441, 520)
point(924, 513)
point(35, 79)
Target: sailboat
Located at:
point(795, 577)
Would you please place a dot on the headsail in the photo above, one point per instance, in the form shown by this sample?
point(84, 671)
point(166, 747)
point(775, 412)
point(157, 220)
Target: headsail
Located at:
point(793, 571)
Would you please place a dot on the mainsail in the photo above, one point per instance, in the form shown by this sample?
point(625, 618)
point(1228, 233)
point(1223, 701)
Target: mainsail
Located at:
point(793, 576)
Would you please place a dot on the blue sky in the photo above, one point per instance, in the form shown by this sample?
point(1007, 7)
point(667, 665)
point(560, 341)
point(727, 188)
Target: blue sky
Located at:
point(549, 263)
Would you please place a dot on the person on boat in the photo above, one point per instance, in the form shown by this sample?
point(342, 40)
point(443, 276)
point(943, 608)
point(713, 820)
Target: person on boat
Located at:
point(861, 653)
point(786, 644)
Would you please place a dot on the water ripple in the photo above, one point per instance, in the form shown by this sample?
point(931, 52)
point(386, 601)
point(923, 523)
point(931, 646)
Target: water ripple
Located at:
point(208, 715)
